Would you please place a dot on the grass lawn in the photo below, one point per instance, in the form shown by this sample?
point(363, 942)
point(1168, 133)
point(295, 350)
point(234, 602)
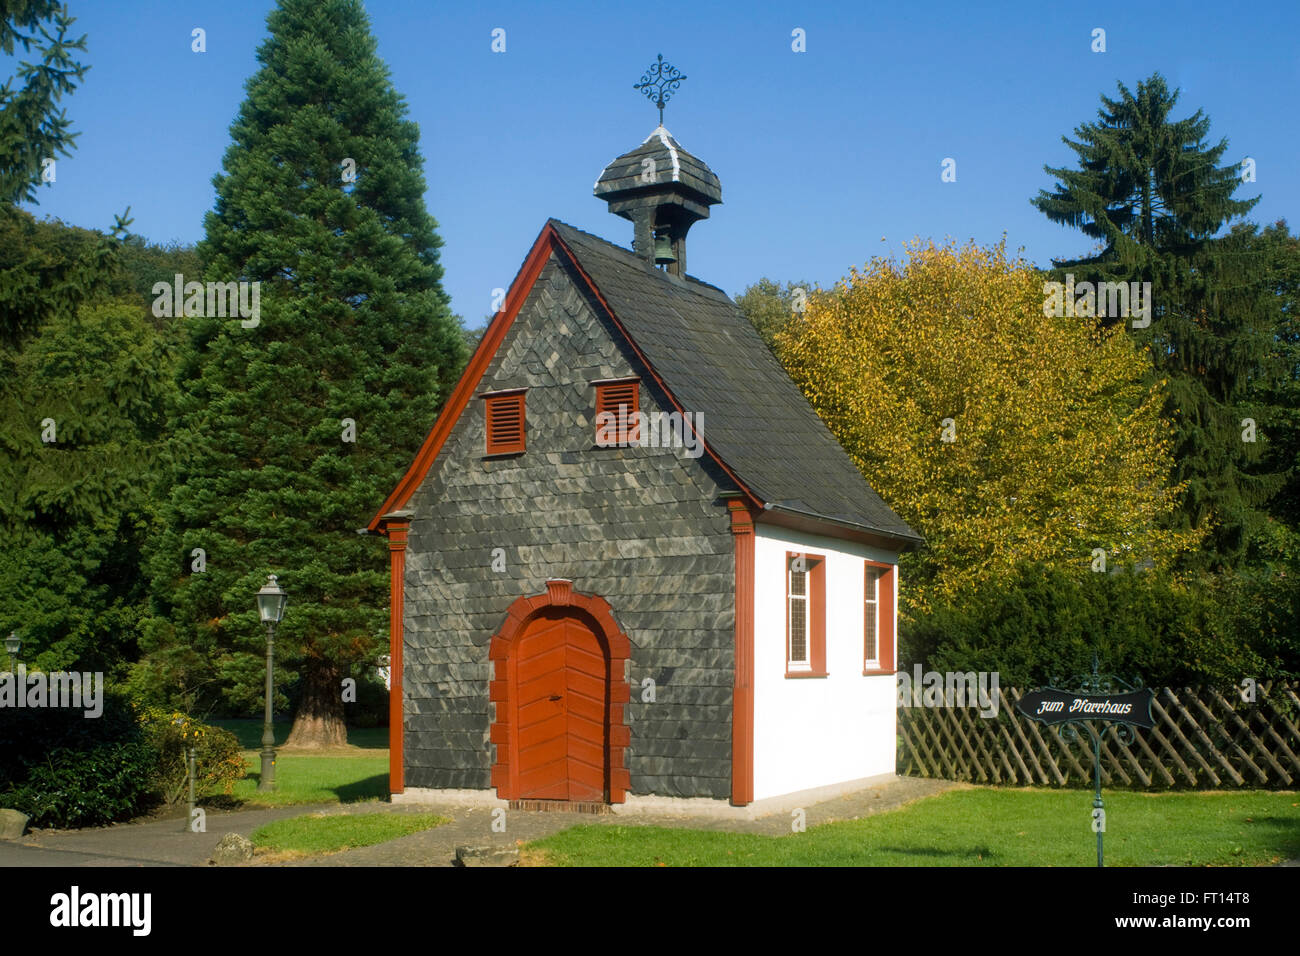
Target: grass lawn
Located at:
point(976, 827)
point(329, 833)
point(301, 778)
point(336, 776)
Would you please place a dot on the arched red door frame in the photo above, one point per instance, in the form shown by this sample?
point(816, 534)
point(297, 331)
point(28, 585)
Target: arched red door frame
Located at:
point(596, 613)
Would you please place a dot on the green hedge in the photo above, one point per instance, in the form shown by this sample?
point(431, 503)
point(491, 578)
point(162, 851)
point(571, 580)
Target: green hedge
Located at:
point(64, 769)
point(1043, 625)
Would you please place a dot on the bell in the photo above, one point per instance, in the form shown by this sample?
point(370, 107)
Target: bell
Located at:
point(663, 250)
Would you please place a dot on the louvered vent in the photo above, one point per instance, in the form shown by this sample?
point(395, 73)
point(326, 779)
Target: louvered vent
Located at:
point(505, 424)
point(622, 400)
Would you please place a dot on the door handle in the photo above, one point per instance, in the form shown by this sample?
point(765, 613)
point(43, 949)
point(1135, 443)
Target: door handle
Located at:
point(555, 697)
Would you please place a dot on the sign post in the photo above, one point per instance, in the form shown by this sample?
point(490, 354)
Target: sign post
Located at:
point(1099, 697)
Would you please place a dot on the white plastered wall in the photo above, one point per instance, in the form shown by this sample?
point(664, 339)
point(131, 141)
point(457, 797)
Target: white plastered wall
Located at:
point(814, 732)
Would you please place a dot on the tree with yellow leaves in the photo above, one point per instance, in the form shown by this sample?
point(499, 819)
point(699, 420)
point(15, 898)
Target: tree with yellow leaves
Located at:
point(1002, 433)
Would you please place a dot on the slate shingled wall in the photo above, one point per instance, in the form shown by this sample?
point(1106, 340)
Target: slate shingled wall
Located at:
point(643, 528)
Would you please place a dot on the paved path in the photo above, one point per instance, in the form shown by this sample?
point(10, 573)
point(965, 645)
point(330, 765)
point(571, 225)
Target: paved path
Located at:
point(157, 843)
point(164, 843)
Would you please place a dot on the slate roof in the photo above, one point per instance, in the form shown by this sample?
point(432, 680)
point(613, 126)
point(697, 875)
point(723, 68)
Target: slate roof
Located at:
point(672, 164)
point(713, 361)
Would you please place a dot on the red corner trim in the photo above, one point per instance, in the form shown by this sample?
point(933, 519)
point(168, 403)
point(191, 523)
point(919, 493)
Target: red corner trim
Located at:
point(548, 241)
point(742, 696)
point(396, 529)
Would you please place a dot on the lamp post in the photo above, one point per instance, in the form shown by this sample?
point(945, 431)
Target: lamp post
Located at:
point(13, 645)
point(270, 608)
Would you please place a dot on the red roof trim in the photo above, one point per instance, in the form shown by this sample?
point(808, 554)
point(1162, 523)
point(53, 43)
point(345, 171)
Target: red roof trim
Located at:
point(548, 241)
point(469, 379)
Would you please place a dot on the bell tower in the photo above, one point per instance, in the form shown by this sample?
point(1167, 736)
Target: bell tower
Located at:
point(660, 187)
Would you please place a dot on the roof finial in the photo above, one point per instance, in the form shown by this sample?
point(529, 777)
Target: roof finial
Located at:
point(659, 83)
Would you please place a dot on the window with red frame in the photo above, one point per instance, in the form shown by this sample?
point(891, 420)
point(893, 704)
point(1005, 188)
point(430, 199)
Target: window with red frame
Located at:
point(878, 619)
point(805, 615)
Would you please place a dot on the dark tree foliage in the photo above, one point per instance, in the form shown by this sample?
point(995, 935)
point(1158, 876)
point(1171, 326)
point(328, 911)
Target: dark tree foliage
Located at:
point(1275, 252)
point(83, 384)
point(85, 442)
point(1153, 194)
point(1045, 625)
point(354, 327)
point(30, 128)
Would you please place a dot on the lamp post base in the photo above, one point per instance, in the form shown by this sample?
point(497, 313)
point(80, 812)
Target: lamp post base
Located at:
point(267, 782)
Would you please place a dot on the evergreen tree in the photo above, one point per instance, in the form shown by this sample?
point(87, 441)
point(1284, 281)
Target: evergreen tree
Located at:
point(272, 476)
point(85, 374)
point(31, 131)
point(1275, 253)
point(77, 505)
point(1151, 191)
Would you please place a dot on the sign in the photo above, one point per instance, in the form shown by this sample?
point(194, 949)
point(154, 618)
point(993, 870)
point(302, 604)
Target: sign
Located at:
point(1052, 706)
point(1115, 704)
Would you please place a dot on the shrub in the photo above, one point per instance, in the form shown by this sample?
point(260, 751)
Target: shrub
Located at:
point(88, 788)
point(66, 770)
point(218, 759)
point(1043, 625)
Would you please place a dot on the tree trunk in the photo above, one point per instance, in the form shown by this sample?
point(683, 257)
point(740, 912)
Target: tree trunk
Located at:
point(319, 721)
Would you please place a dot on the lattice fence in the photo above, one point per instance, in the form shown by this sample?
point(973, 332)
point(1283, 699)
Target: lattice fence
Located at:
point(1203, 739)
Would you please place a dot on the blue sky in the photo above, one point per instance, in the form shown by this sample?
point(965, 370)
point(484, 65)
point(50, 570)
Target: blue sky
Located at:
point(821, 154)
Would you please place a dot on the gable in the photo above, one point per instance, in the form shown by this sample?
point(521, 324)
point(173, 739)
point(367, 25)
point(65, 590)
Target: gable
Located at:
point(558, 352)
point(692, 342)
point(479, 377)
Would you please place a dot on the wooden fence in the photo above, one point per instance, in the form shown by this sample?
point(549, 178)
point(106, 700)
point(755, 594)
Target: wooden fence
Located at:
point(1202, 739)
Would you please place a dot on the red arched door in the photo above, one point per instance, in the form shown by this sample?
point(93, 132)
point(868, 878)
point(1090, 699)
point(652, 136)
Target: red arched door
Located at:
point(560, 685)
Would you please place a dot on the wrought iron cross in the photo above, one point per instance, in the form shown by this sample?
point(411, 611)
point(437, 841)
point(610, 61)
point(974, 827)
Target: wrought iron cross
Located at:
point(659, 83)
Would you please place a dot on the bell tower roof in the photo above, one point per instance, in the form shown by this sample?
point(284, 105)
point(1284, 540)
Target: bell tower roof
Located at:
point(660, 187)
point(663, 190)
point(660, 167)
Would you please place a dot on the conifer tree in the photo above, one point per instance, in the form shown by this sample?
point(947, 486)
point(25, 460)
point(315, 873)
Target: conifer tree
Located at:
point(83, 378)
point(295, 423)
point(31, 131)
point(1152, 193)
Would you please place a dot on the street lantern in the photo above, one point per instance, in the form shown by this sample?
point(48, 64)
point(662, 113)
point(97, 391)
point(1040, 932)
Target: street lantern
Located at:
point(13, 645)
point(271, 600)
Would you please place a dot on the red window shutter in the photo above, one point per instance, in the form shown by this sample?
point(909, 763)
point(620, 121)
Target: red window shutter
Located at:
point(817, 577)
point(888, 620)
point(505, 423)
point(622, 400)
point(885, 632)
